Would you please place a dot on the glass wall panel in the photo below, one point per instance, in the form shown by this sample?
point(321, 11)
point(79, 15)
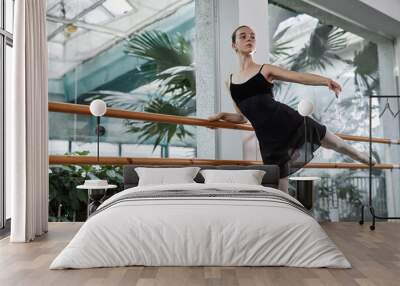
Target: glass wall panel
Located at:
point(101, 54)
point(304, 43)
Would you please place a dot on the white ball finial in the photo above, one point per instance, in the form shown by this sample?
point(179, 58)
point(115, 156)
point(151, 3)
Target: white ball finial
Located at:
point(305, 107)
point(98, 107)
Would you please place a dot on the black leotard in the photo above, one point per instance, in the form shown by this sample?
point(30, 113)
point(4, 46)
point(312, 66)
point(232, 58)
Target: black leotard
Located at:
point(279, 128)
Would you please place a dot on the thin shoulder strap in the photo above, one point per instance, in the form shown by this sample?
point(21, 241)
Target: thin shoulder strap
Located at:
point(230, 79)
point(261, 68)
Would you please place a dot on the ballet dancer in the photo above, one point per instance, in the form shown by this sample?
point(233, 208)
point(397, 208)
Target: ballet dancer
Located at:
point(279, 128)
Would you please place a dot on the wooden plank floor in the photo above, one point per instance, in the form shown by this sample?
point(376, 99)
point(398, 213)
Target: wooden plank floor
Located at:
point(375, 257)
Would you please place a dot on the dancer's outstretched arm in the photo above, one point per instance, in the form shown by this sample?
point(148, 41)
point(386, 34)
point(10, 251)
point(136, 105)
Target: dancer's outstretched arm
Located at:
point(275, 72)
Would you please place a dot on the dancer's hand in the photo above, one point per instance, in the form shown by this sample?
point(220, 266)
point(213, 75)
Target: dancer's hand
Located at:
point(227, 117)
point(334, 86)
point(216, 117)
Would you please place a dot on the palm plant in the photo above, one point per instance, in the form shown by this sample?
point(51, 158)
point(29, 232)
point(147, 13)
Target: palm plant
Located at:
point(169, 85)
point(180, 82)
point(163, 132)
point(321, 50)
point(278, 54)
point(65, 202)
point(366, 68)
point(168, 58)
point(280, 47)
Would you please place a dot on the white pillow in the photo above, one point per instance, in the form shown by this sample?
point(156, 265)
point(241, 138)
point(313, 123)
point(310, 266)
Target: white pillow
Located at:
point(249, 177)
point(163, 176)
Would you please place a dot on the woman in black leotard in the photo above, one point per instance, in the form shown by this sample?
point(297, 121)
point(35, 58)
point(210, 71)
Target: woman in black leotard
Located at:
point(278, 128)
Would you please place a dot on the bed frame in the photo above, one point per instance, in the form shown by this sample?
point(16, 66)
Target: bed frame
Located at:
point(270, 179)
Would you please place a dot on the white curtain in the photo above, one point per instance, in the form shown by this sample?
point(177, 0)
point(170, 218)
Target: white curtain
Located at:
point(27, 124)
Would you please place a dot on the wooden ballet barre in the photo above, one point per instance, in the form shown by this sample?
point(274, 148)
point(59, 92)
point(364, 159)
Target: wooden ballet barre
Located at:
point(349, 166)
point(92, 160)
point(148, 116)
point(145, 116)
point(366, 139)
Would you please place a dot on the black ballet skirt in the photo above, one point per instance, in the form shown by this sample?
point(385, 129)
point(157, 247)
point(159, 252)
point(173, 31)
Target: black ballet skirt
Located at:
point(280, 129)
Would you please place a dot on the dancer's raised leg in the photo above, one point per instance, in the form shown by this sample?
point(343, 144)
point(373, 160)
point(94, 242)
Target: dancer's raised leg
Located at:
point(331, 141)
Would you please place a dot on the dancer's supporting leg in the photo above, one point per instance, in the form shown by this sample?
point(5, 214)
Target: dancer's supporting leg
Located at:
point(331, 141)
point(284, 184)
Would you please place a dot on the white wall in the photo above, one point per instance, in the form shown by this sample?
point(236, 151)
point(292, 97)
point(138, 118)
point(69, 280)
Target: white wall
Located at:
point(255, 14)
point(388, 7)
point(206, 72)
point(367, 15)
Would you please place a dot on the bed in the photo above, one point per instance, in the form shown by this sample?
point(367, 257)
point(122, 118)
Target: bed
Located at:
point(201, 224)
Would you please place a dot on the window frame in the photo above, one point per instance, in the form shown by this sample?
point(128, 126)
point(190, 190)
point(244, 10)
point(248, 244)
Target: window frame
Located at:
point(6, 39)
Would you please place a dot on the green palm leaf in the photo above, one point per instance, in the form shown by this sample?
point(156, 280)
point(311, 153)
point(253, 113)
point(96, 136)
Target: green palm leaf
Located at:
point(169, 59)
point(154, 102)
point(161, 50)
point(180, 81)
point(164, 132)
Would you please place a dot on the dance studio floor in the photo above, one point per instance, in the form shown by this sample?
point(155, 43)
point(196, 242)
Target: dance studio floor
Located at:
point(374, 255)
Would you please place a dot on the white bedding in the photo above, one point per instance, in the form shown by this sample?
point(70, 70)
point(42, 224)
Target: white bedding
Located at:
point(200, 231)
